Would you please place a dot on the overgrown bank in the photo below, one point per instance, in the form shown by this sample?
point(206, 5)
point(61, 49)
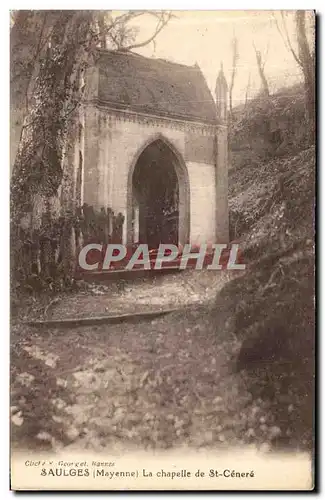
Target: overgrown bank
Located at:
point(272, 304)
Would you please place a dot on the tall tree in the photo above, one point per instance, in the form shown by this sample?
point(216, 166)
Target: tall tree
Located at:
point(304, 56)
point(260, 61)
point(235, 57)
point(248, 87)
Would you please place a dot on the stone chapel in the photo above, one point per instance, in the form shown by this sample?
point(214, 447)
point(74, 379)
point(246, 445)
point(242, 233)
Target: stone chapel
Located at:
point(153, 147)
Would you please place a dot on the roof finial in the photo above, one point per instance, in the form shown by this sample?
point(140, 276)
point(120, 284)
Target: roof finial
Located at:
point(221, 94)
point(221, 76)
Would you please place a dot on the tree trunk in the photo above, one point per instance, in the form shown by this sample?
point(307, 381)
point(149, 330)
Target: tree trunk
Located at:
point(233, 74)
point(260, 66)
point(27, 42)
point(247, 89)
point(308, 67)
point(38, 167)
point(265, 85)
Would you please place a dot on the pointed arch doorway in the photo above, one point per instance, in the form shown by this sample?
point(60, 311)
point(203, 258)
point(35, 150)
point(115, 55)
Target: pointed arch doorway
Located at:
point(158, 196)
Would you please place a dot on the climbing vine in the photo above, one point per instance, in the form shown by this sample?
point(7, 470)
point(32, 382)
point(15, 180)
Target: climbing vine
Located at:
point(57, 95)
point(39, 164)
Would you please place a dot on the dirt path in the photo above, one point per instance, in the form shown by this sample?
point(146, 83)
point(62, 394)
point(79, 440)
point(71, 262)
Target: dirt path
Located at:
point(160, 292)
point(152, 384)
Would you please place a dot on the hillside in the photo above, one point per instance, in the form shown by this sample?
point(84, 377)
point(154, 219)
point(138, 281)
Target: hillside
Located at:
point(272, 190)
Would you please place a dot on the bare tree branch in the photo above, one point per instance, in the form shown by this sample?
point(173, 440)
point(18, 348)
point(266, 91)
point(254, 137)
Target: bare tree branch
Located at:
point(266, 53)
point(163, 18)
point(305, 60)
point(285, 37)
point(260, 66)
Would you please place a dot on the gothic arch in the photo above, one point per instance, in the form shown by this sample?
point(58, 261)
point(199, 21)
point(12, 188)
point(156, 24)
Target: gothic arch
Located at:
point(183, 186)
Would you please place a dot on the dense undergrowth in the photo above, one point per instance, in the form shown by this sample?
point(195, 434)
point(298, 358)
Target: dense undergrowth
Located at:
point(272, 202)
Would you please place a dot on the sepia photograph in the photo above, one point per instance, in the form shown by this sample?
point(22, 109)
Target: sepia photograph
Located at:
point(162, 250)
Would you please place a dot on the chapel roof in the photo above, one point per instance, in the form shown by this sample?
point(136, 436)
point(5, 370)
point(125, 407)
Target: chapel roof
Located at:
point(154, 86)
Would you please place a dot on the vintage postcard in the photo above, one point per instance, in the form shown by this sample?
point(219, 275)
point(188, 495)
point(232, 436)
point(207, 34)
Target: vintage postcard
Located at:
point(162, 200)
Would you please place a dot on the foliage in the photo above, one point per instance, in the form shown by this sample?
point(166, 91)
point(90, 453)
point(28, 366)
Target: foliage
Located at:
point(42, 263)
point(269, 128)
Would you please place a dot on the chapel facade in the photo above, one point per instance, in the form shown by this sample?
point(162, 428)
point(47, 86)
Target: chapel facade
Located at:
point(153, 147)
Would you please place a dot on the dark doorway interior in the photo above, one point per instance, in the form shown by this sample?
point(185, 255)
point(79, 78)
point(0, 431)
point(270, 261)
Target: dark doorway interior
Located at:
point(155, 197)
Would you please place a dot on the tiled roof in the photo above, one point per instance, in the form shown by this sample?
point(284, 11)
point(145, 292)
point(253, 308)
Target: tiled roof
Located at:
point(154, 86)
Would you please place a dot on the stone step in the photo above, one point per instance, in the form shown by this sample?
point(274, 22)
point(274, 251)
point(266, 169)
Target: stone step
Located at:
point(122, 274)
point(99, 320)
